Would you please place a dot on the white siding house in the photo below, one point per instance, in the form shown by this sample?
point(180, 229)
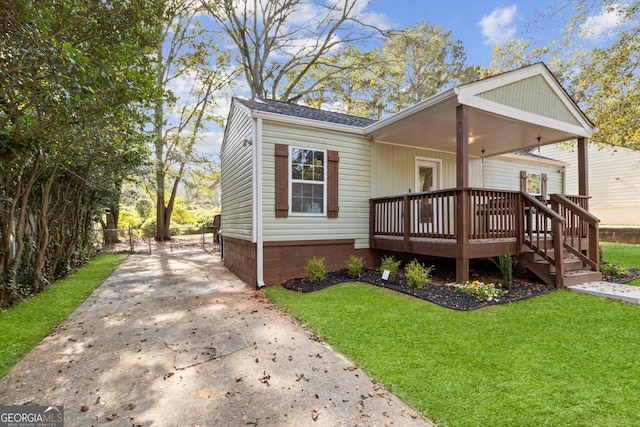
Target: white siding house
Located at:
point(614, 181)
point(443, 178)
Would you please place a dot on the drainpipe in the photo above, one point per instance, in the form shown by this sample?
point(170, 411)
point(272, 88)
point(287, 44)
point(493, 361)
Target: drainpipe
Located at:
point(257, 155)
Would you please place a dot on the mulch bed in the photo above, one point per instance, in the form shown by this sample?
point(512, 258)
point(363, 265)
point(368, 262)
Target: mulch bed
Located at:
point(632, 274)
point(440, 290)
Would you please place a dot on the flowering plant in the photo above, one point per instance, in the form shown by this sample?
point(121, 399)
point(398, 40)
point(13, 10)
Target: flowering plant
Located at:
point(486, 292)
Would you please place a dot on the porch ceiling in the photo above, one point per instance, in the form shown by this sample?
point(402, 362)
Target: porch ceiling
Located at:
point(434, 128)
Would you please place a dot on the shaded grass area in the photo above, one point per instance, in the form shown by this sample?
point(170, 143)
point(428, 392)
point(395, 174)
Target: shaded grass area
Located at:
point(622, 254)
point(22, 327)
point(559, 359)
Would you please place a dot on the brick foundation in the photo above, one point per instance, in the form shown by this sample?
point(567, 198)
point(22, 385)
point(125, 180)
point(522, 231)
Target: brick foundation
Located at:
point(287, 260)
point(240, 258)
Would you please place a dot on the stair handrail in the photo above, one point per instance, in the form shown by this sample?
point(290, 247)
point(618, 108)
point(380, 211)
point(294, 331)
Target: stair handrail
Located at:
point(592, 258)
point(557, 222)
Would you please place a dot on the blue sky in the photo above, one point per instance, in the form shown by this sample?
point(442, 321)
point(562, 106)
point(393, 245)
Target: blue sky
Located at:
point(479, 24)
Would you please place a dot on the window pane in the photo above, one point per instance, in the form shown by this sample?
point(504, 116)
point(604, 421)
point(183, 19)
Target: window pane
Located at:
point(307, 172)
point(318, 158)
point(533, 183)
point(307, 198)
point(296, 155)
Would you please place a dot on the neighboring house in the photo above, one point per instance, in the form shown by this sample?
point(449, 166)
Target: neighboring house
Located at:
point(542, 175)
point(614, 185)
point(298, 182)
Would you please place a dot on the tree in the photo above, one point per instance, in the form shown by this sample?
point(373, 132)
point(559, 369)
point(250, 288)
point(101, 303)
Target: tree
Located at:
point(410, 66)
point(360, 90)
point(280, 42)
point(187, 56)
point(596, 57)
point(422, 61)
point(74, 86)
point(610, 76)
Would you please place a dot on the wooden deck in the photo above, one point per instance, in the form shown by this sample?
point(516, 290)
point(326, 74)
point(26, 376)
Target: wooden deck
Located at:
point(478, 223)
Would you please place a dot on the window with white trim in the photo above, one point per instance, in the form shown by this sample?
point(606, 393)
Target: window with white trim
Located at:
point(308, 180)
point(534, 184)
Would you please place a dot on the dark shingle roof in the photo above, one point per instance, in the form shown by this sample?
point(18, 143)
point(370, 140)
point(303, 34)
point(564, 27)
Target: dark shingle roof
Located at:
point(532, 154)
point(271, 106)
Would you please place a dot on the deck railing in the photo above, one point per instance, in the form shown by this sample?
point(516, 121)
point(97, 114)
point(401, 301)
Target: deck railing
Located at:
point(492, 214)
point(580, 231)
point(549, 230)
point(541, 231)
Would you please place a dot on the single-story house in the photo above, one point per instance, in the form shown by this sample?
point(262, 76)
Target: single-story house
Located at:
point(439, 179)
point(614, 185)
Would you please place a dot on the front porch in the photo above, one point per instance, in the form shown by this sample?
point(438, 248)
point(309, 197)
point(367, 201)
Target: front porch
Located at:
point(470, 223)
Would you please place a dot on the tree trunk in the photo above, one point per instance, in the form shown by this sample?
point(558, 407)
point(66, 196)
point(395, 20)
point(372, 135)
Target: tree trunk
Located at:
point(110, 230)
point(162, 223)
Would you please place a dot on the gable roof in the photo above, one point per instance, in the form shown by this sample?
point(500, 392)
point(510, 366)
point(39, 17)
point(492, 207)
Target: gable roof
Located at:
point(506, 113)
point(304, 112)
point(516, 110)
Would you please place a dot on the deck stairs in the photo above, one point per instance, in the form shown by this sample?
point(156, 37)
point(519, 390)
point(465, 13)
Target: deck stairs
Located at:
point(575, 271)
point(558, 241)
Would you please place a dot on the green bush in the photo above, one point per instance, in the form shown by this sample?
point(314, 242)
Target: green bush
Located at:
point(316, 269)
point(390, 263)
point(149, 228)
point(417, 274)
point(613, 270)
point(505, 264)
point(355, 265)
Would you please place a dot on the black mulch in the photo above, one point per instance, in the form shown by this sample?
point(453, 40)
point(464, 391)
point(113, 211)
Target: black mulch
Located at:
point(439, 290)
point(632, 274)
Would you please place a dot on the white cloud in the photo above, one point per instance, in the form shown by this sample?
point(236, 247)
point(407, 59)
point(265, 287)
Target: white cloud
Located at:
point(611, 17)
point(210, 143)
point(498, 26)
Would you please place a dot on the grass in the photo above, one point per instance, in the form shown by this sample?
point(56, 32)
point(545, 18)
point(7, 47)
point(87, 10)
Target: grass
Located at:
point(22, 327)
point(554, 360)
point(622, 254)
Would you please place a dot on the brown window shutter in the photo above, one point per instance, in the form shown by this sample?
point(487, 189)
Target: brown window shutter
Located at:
point(332, 185)
point(282, 180)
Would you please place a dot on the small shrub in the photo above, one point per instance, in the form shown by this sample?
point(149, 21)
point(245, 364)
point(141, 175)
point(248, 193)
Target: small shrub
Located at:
point(613, 270)
point(149, 227)
point(390, 263)
point(505, 264)
point(316, 269)
point(417, 274)
point(486, 292)
point(355, 265)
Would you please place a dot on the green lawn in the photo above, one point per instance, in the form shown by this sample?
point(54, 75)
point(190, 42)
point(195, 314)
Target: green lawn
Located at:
point(562, 359)
point(22, 327)
point(622, 254)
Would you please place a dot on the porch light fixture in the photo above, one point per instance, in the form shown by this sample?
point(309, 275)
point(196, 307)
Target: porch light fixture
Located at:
point(471, 140)
point(247, 141)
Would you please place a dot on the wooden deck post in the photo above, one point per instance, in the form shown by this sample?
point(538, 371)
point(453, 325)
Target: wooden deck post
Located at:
point(406, 209)
point(372, 224)
point(462, 197)
point(583, 168)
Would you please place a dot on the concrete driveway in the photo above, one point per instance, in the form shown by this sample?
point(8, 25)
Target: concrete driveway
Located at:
point(175, 339)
